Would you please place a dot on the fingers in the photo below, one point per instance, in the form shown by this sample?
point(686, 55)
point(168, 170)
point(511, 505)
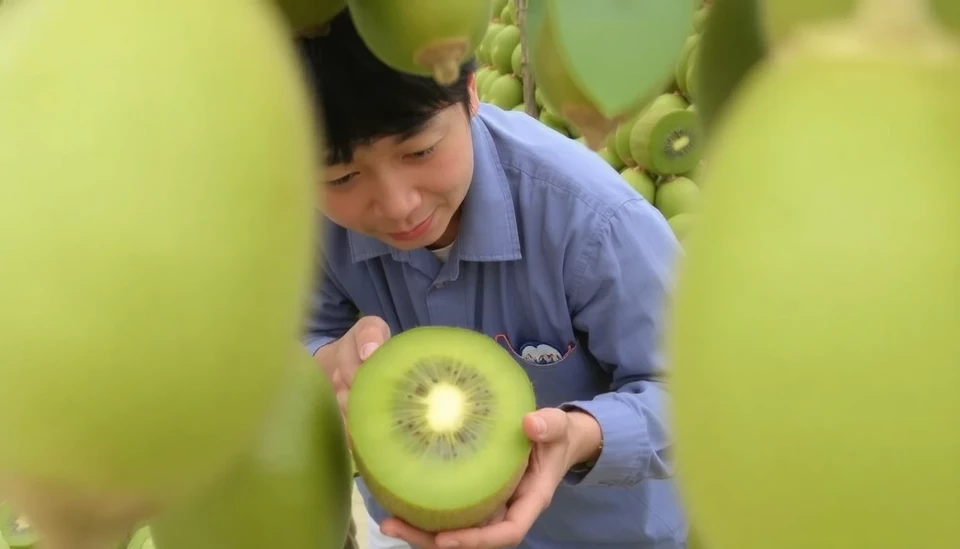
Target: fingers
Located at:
point(366, 336)
point(396, 528)
point(497, 517)
point(369, 333)
point(509, 531)
point(546, 425)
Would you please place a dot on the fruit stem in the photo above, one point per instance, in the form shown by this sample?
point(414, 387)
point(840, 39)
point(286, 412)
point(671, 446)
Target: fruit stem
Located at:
point(446, 72)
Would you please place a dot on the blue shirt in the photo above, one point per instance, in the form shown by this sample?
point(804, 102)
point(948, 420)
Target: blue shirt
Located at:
point(554, 249)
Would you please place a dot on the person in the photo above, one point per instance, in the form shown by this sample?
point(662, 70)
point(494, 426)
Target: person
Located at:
point(440, 210)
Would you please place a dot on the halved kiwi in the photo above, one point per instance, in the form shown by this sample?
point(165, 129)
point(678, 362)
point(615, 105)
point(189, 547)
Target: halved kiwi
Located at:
point(15, 529)
point(666, 138)
point(141, 539)
point(435, 421)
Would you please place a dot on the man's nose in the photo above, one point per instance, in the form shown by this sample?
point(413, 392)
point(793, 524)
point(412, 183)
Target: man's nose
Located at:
point(396, 201)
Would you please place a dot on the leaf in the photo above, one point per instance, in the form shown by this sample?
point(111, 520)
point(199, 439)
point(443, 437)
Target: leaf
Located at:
point(620, 51)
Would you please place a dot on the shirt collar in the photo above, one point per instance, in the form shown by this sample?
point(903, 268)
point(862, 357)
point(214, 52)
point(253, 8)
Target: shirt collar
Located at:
point(488, 223)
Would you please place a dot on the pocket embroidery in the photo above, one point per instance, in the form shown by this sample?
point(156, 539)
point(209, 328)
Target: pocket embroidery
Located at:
point(535, 352)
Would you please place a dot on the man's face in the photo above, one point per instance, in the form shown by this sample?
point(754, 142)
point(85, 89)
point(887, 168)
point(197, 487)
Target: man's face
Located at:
point(406, 191)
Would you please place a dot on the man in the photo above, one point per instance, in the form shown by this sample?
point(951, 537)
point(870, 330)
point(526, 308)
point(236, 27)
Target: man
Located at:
point(439, 210)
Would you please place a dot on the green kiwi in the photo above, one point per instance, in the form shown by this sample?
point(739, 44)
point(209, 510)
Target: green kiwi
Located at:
point(666, 137)
point(682, 224)
point(680, 70)
point(622, 141)
point(611, 157)
point(677, 196)
point(141, 539)
point(641, 182)
point(553, 120)
point(516, 66)
point(15, 529)
point(483, 86)
point(731, 44)
point(435, 421)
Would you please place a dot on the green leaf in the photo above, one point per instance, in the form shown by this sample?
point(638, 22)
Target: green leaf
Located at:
point(620, 51)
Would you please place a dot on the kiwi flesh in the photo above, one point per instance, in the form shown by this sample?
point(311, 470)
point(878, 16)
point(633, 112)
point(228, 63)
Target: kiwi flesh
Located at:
point(666, 137)
point(15, 529)
point(435, 422)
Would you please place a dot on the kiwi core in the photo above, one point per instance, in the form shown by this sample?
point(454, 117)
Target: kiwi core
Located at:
point(446, 405)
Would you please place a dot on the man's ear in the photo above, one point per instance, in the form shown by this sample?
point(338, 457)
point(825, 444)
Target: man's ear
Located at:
point(474, 96)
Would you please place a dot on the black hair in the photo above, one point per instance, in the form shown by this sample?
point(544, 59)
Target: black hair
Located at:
point(361, 98)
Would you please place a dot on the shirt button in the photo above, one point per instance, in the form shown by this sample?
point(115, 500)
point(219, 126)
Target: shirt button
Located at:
point(441, 284)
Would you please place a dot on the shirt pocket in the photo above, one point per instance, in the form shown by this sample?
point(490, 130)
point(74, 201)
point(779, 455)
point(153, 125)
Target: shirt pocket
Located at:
point(558, 376)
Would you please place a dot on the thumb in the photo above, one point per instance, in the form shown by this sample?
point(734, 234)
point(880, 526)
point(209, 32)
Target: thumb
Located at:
point(545, 425)
point(369, 333)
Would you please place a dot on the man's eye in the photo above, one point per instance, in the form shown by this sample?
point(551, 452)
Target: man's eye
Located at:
point(424, 153)
point(342, 180)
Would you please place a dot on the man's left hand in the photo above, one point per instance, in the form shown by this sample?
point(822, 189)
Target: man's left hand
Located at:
point(560, 441)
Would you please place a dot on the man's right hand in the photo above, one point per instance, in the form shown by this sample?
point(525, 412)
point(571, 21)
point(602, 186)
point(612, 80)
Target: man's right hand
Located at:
point(343, 357)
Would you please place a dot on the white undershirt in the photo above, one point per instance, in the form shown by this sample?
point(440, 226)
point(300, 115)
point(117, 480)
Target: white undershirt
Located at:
point(443, 254)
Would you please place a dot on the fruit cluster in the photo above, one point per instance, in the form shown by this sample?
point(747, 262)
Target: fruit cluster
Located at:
point(656, 150)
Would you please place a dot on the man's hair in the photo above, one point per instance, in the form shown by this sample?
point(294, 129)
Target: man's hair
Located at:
point(361, 98)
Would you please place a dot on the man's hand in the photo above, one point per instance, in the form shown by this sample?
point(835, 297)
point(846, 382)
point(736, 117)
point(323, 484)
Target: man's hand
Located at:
point(560, 441)
point(343, 357)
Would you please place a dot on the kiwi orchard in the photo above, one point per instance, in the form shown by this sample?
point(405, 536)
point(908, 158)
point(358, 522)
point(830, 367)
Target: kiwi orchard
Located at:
point(802, 152)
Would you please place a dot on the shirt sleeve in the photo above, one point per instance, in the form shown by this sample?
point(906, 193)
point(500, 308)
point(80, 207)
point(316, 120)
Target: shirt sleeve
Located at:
point(331, 312)
point(624, 275)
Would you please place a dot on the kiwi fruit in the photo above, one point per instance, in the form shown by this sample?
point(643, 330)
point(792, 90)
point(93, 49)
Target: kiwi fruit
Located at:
point(435, 422)
point(485, 50)
point(290, 489)
point(502, 48)
point(561, 93)
point(310, 17)
point(611, 158)
point(553, 120)
point(423, 37)
point(680, 71)
point(621, 140)
point(141, 539)
point(681, 224)
point(843, 268)
point(15, 529)
point(641, 182)
point(483, 86)
point(516, 61)
point(731, 44)
point(666, 137)
point(677, 196)
point(506, 92)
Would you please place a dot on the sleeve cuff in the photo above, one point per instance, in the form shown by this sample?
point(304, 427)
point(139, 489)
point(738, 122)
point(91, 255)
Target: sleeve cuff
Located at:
point(314, 344)
point(626, 448)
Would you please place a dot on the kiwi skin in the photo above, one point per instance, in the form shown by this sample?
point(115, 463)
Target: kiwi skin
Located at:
point(486, 486)
point(429, 520)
